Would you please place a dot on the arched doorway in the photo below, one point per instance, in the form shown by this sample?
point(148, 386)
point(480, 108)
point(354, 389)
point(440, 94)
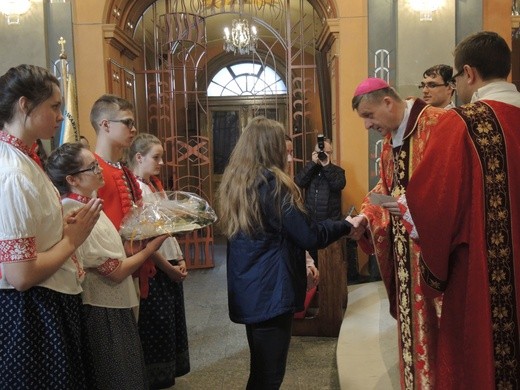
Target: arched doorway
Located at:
point(236, 93)
point(182, 42)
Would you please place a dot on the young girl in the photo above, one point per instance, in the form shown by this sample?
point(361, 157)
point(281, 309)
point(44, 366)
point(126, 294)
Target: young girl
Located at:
point(112, 341)
point(162, 320)
point(40, 286)
point(262, 216)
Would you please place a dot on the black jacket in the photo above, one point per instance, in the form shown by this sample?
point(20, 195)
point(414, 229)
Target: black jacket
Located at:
point(322, 187)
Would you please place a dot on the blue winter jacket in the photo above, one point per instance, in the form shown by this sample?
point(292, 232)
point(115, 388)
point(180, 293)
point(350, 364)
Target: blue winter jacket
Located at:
point(266, 273)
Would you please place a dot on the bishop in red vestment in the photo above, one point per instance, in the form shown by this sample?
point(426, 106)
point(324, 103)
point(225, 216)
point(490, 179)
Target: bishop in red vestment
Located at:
point(407, 124)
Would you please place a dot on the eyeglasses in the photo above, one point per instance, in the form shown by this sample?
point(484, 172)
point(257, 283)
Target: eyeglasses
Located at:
point(454, 78)
point(94, 168)
point(430, 85)
point(127, 122)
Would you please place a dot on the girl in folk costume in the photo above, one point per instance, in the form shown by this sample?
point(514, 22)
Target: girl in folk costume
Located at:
point(113, 351)
point(40, 335)
point(162, 320)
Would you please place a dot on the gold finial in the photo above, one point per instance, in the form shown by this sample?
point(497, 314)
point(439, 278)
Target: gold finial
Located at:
point(62, 43)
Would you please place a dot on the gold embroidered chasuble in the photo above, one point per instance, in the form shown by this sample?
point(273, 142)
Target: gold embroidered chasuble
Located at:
point(398, 255)
point(471, 249)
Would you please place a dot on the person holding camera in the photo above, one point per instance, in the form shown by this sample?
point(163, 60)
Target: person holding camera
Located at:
point(322, 182)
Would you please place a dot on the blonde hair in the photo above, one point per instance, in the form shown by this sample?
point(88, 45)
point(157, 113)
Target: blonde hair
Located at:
point(141, 144)
point(260, 148)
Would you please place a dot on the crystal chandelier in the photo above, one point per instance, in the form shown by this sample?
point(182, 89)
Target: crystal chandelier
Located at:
point(241, 39)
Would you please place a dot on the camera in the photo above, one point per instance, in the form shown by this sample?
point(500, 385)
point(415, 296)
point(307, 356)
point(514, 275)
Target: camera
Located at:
point(322, 156)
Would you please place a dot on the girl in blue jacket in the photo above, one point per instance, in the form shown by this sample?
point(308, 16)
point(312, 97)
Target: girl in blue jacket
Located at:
point(268, 231)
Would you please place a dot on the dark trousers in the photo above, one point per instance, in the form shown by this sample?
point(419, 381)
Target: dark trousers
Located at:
point(268, 346)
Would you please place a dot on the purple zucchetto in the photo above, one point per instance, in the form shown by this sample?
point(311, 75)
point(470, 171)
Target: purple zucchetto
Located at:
point(370, 84)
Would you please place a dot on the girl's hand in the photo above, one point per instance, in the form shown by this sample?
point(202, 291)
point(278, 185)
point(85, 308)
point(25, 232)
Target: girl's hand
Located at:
point(182, 266)
point(80, 223)
point(176, 274)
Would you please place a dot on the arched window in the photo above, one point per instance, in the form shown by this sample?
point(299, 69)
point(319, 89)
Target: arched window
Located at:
point(246, 79)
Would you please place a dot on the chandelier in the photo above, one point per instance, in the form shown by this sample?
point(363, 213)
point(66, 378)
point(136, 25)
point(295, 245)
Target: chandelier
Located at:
point(241, 39)
point(425, 8)
point(12, 9)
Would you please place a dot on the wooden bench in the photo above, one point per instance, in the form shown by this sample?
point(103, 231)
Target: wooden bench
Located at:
point(332, 295)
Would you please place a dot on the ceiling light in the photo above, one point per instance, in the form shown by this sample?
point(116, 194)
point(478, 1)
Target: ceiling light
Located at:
point(12, 9)
point(241, 38)
point(425, 8)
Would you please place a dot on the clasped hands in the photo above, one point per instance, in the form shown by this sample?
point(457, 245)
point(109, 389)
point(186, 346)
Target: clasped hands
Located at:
point(359, 222)
point(359, 225)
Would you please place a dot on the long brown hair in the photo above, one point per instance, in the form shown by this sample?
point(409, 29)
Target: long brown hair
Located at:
point(260, 148)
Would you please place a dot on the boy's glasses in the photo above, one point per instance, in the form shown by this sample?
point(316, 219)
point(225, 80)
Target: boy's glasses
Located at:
point(430, 85)
point(127, 122)
point(94, 168)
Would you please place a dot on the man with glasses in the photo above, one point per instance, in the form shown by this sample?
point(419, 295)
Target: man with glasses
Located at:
point(463, 206)
point(436, 86)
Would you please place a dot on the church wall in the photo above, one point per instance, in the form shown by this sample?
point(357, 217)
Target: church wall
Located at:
point(90, 59)
point(24, 43)
point(351, 49)
point(422, 44)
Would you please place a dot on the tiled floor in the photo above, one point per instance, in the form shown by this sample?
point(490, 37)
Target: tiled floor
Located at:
point(220, 357)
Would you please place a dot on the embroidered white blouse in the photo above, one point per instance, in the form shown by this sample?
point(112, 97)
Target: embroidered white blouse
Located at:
point(101, 254)
point(31, 216)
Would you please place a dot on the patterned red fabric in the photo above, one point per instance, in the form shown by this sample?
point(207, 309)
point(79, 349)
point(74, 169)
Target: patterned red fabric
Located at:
point(18, 249)
point(119, 193)
point(470, 243)
point(108, 266)
point(144, 273)
point(156, 183)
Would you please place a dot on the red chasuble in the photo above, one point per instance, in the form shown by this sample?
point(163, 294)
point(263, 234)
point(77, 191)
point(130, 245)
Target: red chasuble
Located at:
point(465, 202)
point(398, 255)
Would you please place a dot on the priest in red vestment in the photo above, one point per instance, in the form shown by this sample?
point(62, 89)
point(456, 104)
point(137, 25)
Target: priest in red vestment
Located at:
point(463, 202)
point(406, 126)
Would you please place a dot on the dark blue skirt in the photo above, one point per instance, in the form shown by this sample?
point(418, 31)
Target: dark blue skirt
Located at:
point(162, 328)
point(40, 340)
point(114, 356)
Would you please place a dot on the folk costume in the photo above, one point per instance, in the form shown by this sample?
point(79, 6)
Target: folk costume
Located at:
point(162, 318)
point(40, 331)
point(114, 357)
point(120, 192)
point(464, 205)
point(397, 255)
